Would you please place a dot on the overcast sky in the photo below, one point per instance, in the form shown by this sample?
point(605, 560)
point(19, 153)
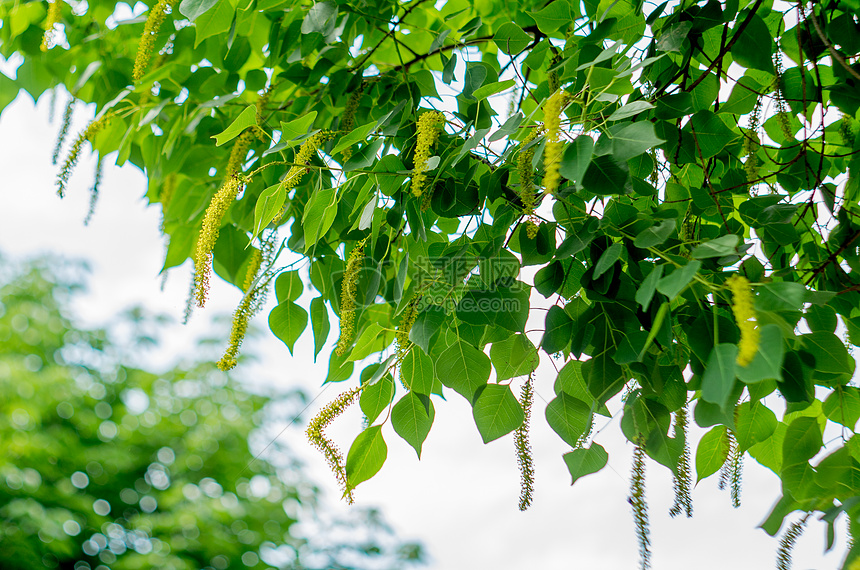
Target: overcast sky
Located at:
point(460, 500)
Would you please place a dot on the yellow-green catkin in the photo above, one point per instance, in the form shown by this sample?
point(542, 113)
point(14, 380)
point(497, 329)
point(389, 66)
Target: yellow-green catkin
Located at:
point(251, 303)
point(52, 20)
point(239, 329)
point(527, 186)
point(318, 439)
point(751, 143)
point(787, 542)
point(88, 134)
point(639, 503)
point(223, 199)
point(553, 147)
point(347, 120)
point(846, 133)
point(782, 115)
point(552, 79)
point(147, 41)
point(347, 298)
point(407, 319)
point(239, 152)
point(241, 318)
point(253, 269)
point(64, 130)
point(683, 481)
point(523, 447)
point(94, 191)
point(429, 127)
point(731, 472)
point(742, 307)
point(302, 158)
point(209, 234)
point(262, 103)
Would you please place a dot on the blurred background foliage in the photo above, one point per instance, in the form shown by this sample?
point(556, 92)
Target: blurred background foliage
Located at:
point(108, 466)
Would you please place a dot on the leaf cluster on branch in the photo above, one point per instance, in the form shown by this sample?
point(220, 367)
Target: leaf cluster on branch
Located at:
point(661, 199)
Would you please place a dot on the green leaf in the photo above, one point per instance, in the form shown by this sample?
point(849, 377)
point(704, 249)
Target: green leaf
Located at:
point(319, 216)
point(427, 324)
point(604, 376)
point(754, 423)
point(339, 368)
point(492, 88)
point(843, 406)
point(571, 381)
point(607, 259)
point(247, 118)
point(780, 296)
point(508, 128)
point(767, 363)
point(291, 130)
point(711, 135)
point(632, 139)
point(743, 98)
point(649, 286)
point(463, 368)
point(557, 331)
point(802, 442)
point(719, 247)
point(416, 371)
point(712, 452)
point(605, 175)
point(412, 418)
point(288, 286)
point(554, 15)
point(376, 397)
point(216, 20)
point(320, 18)
point(511, 39)
point(355, 136)
point(585, 461)
point(655, 235)
point(569, 417)
point(629, 110)
point(370, 341)
point(719, 378)
point(269, 203)
point(497, 412)
point(576, 158)
point(288, 321)
point(673, 38)
point(320, 324)
point(192, 9)
point(366, 456)
point(515, 356)
point(769, 451)
point(675, 282)
point(753, 49)
point(831, 356)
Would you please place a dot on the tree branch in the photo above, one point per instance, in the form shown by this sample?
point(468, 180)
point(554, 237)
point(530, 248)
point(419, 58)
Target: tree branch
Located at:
point(729, 45)
point(833, 53)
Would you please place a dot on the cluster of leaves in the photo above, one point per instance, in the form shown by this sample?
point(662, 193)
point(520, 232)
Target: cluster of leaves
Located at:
point(108, 466)
point(697, 141)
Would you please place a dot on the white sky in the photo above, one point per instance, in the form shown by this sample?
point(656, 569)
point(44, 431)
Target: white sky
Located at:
point(460, 501)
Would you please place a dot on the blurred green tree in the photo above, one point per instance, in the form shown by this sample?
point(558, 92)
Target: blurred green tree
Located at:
point(107, 466)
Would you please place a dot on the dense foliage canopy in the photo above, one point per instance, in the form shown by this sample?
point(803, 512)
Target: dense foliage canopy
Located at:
point(662, 198)
point(105, 465)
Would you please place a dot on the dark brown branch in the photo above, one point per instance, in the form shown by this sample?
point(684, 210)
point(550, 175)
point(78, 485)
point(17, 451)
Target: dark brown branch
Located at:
point(833, 53)
point(845, 244)
point(729, 45)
